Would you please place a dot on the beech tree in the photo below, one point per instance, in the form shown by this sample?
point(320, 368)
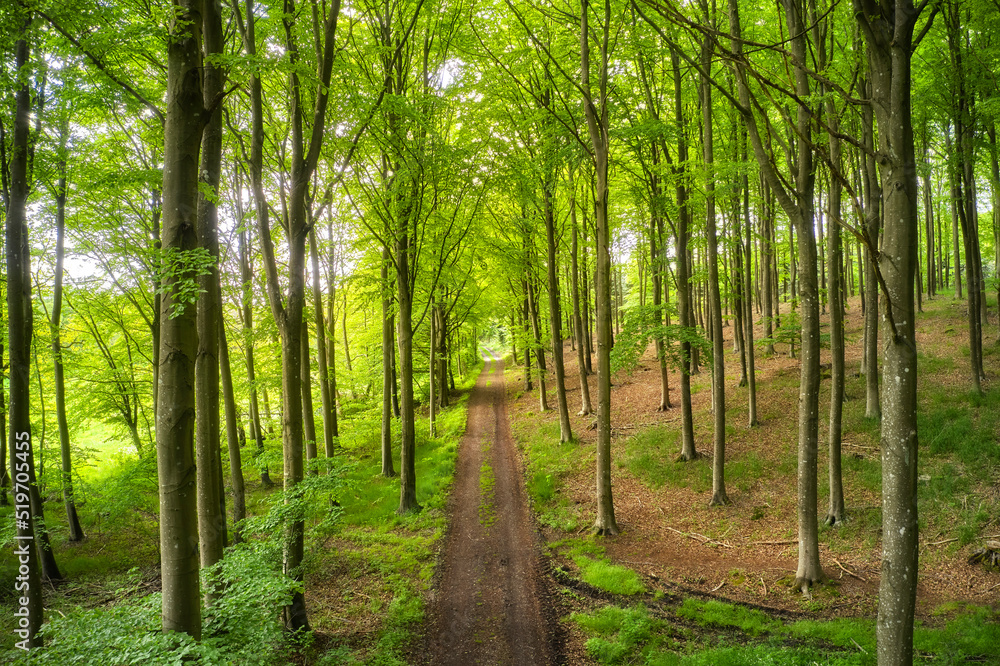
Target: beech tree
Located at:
point(595, 106)
point(888, 31)
point(19, 328)
point(798, 205)
point(175, 418)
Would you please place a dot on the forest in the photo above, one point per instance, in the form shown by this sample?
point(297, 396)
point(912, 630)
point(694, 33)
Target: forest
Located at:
point(683, 291)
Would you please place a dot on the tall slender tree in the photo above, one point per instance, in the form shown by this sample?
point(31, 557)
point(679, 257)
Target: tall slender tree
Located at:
point(595, 106)
point(888, 31)
point(175, 417)
point(19, 328)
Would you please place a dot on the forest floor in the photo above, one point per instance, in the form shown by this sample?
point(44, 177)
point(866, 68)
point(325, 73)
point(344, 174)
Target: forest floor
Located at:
point(746, 553)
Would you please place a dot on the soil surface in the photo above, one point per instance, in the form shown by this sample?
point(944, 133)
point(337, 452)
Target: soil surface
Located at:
point(491, 602)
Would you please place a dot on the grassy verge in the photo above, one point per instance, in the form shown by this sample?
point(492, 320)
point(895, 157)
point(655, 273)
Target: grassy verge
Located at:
point(366, 569)
point(711, 633)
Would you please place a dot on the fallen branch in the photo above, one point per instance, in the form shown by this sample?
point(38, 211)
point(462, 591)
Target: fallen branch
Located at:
point(700, 538)
point(938, 543)
point(718, 587)
point(774, 543)
point(847, 571)
point(859, 446)
point(764, 584)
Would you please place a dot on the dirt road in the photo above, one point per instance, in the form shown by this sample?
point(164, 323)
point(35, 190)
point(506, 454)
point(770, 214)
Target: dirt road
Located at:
point(491, 604)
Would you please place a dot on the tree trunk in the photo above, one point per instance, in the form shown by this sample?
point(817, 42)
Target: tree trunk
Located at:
point(588, 347)
point(288, 314)
point(329, 414)
point(597, 126)
point(19, 329)
point(798, 206)
point(658, 254)
point(404, 336)
point(873, 220)
point(543, 402)
point(211, 498)
point(433, 381)
point(347, 348)
point(888, 34)
point(585, 407)
point(931, 267)
point(719, 495)
point(175, 412)
point(527, 337)
point(387, 368)
point(308, 415)
point(232, 437)
point(330, 333)
point(748, 277)
point(683, 259)
point(555, 319)
point(247, 320)
point(836, 512)
point(768, 263)
point(4, 476)
point(55, 327)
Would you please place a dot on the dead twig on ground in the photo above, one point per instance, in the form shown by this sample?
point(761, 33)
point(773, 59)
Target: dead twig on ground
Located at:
point(848, 571)
point(718, 587)
point(787, 542)
point(701, 538)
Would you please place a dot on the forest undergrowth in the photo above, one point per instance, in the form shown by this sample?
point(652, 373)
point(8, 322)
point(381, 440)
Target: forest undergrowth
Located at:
point(686, 583)
point(367, 572)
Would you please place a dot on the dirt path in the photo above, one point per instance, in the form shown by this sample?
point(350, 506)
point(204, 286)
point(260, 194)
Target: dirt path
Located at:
point(490, 606)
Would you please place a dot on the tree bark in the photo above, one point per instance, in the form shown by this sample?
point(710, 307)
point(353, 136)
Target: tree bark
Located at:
point(308, 415)
point(175, 411)
point(585, 407)
point(19, 330)
point(798, 206)
point(327, 403)
point(836, 511)
point(211, 498)
point(232, 437)
point(4, 476)
point(888, 32)
point(748, 346)
point(404, 337)
point(683, 259)
point(387, 368)
point(555, 318)
point(873, 225)
point(719, 495)
point(543, 402)
point(288, 314)
point(55, 327)
point(597, 127)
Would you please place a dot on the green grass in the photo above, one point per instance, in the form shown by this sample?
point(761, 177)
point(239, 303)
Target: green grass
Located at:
point(487, 481)
point(596, 570)
point(651, 457)
point(736, 635)
point(548, 463)
point(622, 635)
point(717, 613)
point(744, 472)
point(866, 472)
